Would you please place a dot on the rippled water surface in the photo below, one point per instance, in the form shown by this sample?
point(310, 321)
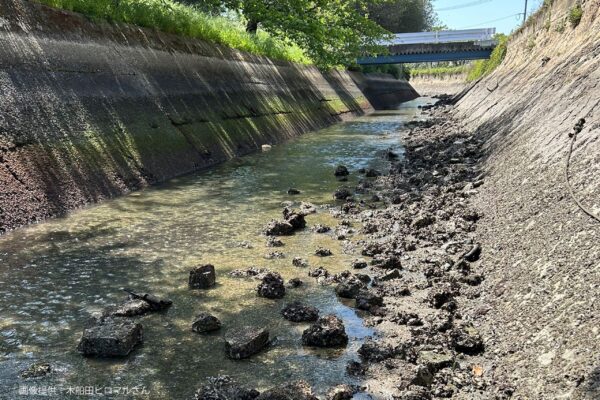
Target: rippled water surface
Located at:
point(55, 275)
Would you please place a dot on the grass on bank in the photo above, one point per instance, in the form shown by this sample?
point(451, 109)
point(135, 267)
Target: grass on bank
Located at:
point(439, 72)
point(172, 17)
point(482, 68)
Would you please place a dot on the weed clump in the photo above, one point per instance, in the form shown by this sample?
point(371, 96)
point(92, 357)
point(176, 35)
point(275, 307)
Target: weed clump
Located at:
point(173, 17)
point(575, 14)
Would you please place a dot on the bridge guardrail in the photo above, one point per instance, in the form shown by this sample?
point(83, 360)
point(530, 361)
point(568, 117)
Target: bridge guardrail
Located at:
point(465, 35)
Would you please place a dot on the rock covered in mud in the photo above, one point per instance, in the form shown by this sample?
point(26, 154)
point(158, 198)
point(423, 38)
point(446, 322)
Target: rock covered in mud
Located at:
point(359, 264)
point(272, 241)
point(156, 303)
point(367, 299)
point(294, 218)
point(299, 390)
point(300, 262)
point(342, 392)
point(319, 272)
point(435, 361)
point(252, 272)
point(387, 261)
point(278, 228)
point(245, 342)
point(321, 228)
point(295, 283)
point(341, 170)
point(275, 255)
point(372, 173)
point(350, 288)
point(224, 388)
point(110, 338)
point(202, 277)
point(373, 351)
point(328, 331)
point(131, 308)
point(299, 312)
point(271, 286)
point(205, 322)
point(323, 252)
point(36, 370)
point(342, 194)
point(467, 340)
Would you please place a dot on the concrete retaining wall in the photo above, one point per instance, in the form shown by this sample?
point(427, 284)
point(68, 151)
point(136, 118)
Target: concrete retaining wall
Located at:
point(93, 110)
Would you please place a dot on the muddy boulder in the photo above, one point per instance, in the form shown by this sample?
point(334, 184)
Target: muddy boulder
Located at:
point(298, 312)
point(387, 261)
point(294, 218)
point(342, 392)
point(205, 322)
point(342, 194)
point(323, 252)
point(131, 308)
point(110, 338)
point(467, 340)
point(367, 300)
point(350, 288)
point(341, 170)
point(373, 351)
point(299, 390)
point(202, 277)
point(328, 331)
point(224, 388)
point(359, 264)
point(300, 262)
point(245, 342)
point(295, 283)
point(272, 241)
point(36, 370)
point(271, 286)
point(278, 228)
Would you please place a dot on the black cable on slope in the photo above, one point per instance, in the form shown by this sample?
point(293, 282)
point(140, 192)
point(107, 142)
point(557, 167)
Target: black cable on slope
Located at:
point(578, 128)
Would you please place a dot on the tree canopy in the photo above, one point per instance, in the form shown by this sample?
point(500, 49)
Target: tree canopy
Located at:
point(331, 32)
point(400, 16)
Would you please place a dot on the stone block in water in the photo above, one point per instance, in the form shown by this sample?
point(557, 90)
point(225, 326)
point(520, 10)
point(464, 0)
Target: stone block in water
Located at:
point(110, 338)
point(202, 277)
point(205, 322)
point(245, 342)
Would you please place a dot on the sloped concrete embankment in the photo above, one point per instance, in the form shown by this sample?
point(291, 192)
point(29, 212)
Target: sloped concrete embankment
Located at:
point(430, 85)
point(93, 110)
point(541, 253)
point(383, 91)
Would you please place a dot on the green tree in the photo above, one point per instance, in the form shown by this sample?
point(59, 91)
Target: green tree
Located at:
point(400, 16)
point(331, 32)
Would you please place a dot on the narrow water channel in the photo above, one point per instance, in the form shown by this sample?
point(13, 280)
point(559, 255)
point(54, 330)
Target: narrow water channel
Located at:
point(55, 275)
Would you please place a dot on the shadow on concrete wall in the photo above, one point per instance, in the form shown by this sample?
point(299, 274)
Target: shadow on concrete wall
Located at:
point(91, 111)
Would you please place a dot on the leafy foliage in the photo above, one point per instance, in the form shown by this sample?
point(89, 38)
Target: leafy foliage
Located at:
point(575, 15)
point(485, 67)
point(169, 16)
point(439, 71)
point(400, 16)
point(329, 32)
point(332, 32)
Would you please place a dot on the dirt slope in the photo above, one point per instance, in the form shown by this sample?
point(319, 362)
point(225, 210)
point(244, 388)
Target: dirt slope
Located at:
point(541, 253)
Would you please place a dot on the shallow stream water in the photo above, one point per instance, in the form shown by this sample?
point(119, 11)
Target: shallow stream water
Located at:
point(55, 275)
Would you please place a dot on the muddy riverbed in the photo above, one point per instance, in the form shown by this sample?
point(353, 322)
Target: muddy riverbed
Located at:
point(56, 275)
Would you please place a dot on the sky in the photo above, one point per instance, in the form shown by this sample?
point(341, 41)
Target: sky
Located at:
point(500, 14)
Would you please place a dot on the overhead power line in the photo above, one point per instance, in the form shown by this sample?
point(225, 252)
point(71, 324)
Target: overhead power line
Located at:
point(494, 20)
point(464, 5)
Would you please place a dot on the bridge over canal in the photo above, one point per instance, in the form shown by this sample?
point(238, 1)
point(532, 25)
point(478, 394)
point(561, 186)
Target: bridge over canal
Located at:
point(457, 45)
